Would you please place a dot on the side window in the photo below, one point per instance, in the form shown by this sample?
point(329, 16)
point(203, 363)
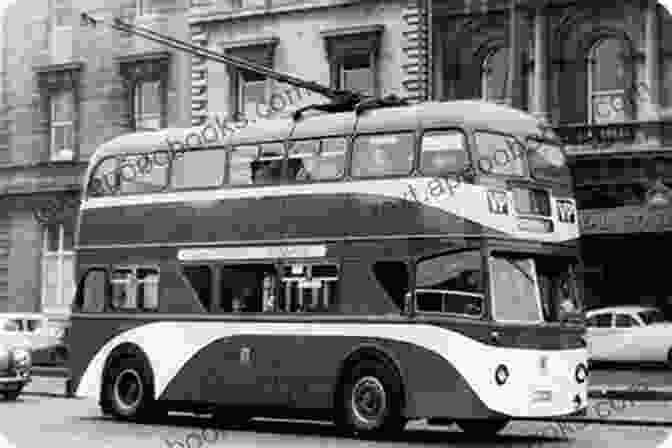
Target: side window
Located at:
point(625, 321)
point(93, 294)
point(310, 288)
point(200, 279)
point(451, 283)
point(393, 277)
point(246, 288)
point(135, 289)
point(443, 151)
point(240, 164)
point(267, 169)
point(317, 159)
point(139, 174)
point(105, 179)
point(603, 320)
point(591, 321)
point(382, 155)
point(199, 168)
point(499, 154)
point(35, 325)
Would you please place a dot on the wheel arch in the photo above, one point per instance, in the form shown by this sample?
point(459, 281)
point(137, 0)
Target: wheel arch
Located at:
point(369, 352)
point(126, 350)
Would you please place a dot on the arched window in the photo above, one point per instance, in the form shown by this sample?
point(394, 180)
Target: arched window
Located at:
point(607, 101)
point(494, 75)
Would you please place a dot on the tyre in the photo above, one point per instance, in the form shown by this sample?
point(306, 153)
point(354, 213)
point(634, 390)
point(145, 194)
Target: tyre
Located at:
point(482, 427)
point(128, 390)
point(12, 395)
point(669, 359)
point(371, 401)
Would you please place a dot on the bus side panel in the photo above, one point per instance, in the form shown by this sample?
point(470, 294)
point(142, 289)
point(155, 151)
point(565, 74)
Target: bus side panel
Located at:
point(301, 372)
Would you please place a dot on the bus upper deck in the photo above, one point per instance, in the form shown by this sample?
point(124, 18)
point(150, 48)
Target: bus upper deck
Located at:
point(464, 167)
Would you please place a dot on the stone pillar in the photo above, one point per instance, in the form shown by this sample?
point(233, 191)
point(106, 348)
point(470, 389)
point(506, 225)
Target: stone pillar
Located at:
point(652, 58)
point(541, 64)
point(514, 83)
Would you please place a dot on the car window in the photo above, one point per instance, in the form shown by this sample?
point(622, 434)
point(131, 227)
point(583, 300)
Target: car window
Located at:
point(625, 321)
point(34, 324)
point(600, 320)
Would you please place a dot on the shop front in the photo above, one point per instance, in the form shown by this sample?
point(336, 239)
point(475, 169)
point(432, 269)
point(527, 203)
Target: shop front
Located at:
point(625, 251)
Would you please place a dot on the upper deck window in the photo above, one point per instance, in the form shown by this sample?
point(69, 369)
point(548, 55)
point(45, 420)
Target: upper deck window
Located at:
point(199, 168)
point(105, 179)
point(240, 164)
point(499, 154)
point(382, 155)
point(443, 151)
point(317, 159)
point(139, 174)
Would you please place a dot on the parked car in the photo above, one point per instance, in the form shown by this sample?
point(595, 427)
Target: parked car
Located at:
point(42, 334)
point(15, 369)
point(629, 334)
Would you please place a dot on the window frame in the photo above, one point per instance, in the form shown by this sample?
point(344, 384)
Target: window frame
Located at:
point(413, 151)
point(485, 72)
point(469, 162)
point(60, 255)
point(339, 70)
point(138, 104)
point(331, 261)
point(493, 291)
point(524, 160)
point(54, 124)
point(133, 282)
point(77, 305)
point(239, 94)
point(225, 178)
point(344, 167)
point(485, 296)
point(591, 93)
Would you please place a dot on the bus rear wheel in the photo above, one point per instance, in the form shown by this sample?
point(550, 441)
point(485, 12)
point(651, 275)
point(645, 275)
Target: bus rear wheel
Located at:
point(482, 427)
point(371, 401)
point(128, 390)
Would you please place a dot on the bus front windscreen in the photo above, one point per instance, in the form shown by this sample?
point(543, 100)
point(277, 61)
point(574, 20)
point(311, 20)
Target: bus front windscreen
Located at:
point(547, 161)
point(533, 289)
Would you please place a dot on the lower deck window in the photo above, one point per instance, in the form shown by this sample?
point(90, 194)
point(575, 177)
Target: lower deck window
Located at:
point(135, 288)
point(451, 283)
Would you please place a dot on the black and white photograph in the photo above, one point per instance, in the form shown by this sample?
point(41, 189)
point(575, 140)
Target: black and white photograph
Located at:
point(335, 223)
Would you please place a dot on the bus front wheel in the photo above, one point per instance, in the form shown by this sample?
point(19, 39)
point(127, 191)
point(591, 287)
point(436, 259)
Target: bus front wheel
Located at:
point(128, 390)
point(371, 401)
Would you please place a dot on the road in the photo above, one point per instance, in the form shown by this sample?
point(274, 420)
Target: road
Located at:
point(37, 421)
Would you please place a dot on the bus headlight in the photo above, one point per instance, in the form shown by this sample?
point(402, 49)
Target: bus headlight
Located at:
point(501, 374)
point(581, 373)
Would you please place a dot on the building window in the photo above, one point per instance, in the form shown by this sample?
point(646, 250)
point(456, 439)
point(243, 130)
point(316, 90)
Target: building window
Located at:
point(494, 75)
point(607, 100)
point(142, 7)
point(58, 280)
point(353, 58)
point(145, 78)
point(147, 105)
point(253, 89)
point(250, 92)
point(61, 120)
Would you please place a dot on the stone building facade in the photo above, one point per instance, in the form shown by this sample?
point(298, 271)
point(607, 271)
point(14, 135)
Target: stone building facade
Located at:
point(599, 72)
point(66, 88)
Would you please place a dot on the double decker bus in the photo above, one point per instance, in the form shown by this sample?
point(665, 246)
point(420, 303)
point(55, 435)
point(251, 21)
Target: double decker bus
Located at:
point(368, 267)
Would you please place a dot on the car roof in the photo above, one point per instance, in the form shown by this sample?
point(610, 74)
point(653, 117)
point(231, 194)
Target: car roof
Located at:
point(620, 309)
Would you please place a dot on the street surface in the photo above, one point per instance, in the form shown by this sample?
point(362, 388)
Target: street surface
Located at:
point(39, 421)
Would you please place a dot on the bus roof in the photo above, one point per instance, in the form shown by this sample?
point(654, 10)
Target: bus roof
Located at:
point(467, 113)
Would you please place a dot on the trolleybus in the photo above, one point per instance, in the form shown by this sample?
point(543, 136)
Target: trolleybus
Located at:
point(368, 267)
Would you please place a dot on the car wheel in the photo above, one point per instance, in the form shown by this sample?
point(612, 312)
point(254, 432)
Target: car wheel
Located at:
point(482, 427)
point(128, 389)
point(12, 395)
point(371, 402)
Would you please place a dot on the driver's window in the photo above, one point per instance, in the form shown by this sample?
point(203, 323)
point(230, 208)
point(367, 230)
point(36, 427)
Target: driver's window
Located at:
point(625, 321)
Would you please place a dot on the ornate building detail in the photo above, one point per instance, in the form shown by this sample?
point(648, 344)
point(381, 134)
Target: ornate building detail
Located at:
point(199, 78)
point(417, 66)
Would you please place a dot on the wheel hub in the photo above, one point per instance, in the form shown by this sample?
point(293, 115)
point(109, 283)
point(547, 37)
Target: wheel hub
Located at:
point(369, 400)
point(128, 389)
